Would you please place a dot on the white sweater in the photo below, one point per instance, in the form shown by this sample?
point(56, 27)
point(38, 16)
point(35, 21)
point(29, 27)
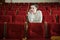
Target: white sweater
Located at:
point(35, 18)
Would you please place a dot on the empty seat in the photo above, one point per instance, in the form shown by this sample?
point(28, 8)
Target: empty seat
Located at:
point(2, 12)
point(21, 12)
point(36, 31)
point(45, 13)
point(55, 30)
point(5, 18)
point(56, 18)
point(1, 30)
point(49, 19)
point(15, 31)
point(42, 8)
point(23, 9)
point(12, 13)
point(19, 19)
point(54, 12)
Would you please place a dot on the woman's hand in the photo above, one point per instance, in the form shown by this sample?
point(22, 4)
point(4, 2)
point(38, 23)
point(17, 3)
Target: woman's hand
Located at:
point(31, 11)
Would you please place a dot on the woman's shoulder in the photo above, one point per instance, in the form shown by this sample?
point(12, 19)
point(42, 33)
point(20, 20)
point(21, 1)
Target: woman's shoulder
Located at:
point(39, 11)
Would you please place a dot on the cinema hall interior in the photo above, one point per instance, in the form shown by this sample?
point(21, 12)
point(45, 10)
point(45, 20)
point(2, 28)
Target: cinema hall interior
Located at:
point(29, 19)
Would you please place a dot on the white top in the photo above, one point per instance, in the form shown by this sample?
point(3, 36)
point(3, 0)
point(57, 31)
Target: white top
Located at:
point(35, 18)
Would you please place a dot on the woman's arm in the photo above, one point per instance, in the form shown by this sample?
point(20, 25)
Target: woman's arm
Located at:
point(40, 17)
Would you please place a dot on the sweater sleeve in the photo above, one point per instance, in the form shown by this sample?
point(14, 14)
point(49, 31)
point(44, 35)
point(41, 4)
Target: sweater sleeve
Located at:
point(40, 16)
point(29, 16)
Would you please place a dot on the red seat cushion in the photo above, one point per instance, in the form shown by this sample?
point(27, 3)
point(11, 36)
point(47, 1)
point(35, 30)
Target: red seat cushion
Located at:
point(1, 30)
point(11, 13)
point(15, 31)
point(36, 30)
point(2, 12)
point(55, 30)
point(19, 19)
point(5, 18)
point(49, 19)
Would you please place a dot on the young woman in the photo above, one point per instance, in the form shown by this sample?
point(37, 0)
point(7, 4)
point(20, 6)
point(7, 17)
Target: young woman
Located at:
point(35, 15)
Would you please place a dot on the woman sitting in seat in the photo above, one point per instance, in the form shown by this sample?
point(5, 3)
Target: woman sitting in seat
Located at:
point(35, 15)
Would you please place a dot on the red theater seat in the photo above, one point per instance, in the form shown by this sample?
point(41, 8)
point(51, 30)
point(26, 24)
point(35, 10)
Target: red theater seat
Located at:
point(5, 18)
point(23, 8)
point(15, 31)
point(54, 8)
point(45, 13)
point(55, 30)
point(11, 13)
point(19, 19)
point(22, 13)
point(49, 19)
point(54, 12)
point(36, 31)
point(42, 8)
point(1, 30)
point(56, 18)
point(2, 12)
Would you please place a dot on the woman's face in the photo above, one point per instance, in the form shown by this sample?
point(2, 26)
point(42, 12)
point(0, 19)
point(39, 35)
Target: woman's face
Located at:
point(33, 9)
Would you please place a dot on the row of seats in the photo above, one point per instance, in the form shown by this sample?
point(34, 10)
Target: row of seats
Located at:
point(20, 9)
point(26, 6)
point(10, 19)
point(51, 19)
point(22, 18)
point(35, 31)
point(18, 12)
